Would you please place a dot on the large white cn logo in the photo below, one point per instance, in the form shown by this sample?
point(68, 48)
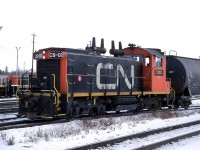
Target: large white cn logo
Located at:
point(119, 70)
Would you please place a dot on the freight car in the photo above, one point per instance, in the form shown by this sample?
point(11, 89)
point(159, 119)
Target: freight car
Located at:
point(185, 78)
point(10, 84)
point(73, 82)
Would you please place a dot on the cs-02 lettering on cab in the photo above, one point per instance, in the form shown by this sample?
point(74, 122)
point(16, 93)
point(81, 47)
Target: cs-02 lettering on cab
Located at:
point(55, 55)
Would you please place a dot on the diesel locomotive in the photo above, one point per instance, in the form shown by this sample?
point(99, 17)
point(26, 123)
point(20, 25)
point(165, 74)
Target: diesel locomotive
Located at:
point(74, 82)
point(9, 85)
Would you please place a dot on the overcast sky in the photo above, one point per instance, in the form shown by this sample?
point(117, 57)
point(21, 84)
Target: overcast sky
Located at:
point(165, 24)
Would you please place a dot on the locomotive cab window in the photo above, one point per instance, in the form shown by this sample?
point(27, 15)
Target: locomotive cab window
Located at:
point(147, 61)
point(158, 62)
point(138, 58)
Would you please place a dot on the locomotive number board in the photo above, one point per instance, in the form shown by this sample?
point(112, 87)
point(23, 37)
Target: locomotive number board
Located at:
point(159, 72)
point(55, 55)
point(37, 56)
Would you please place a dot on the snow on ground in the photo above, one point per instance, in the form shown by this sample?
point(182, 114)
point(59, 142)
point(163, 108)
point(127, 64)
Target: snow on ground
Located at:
point(75, 133)
point(187, 144)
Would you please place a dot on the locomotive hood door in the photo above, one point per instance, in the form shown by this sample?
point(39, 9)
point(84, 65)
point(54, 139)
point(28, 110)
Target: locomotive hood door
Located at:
point(63, 72)
point(147, 73)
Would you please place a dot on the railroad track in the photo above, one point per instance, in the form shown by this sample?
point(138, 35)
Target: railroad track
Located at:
point(14, 123)
point(28, 123)
point(8, 105)
point(168, 141)
point(11, 109)
point(8, 119)
point(142, 135)
point(8, 101)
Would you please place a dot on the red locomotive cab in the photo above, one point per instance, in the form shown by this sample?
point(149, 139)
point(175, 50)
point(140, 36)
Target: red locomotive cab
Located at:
point(12, 80)
point(58, 57)
point(155, 74)
point(154, 69)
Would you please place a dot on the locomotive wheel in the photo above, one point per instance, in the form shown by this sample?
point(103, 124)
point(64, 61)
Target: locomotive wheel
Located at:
point(75, 111)
point(155, 107)
point(176, 106)
point(152, 107)
point(71, 111)
point(117, 112)
point(93, 112)
point(101, 109)
point(170, 107)
point(186, 105)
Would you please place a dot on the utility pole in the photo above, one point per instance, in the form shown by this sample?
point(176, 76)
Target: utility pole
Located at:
point(24, 66)
point(17, 67)
point(32, 57)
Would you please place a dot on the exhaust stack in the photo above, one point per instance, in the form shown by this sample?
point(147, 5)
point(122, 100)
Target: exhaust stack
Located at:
point(120, 45)
point(116, 52)
point(100, 49)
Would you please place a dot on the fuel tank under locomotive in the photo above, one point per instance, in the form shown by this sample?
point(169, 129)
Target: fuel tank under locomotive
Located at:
point(184, 74)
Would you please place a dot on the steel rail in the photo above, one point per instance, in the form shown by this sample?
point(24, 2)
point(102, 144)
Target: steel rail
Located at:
point(167, 141)
point(137, 135)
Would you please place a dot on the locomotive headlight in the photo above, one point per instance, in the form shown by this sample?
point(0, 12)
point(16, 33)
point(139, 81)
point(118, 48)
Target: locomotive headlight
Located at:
point(44, 77)
point(43, 52)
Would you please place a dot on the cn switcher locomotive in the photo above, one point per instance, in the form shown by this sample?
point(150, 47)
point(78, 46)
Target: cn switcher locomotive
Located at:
point(73, 82)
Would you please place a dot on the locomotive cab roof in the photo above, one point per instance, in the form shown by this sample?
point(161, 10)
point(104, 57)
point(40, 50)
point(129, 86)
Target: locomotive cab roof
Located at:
point(156, 52)
point(151, 51)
